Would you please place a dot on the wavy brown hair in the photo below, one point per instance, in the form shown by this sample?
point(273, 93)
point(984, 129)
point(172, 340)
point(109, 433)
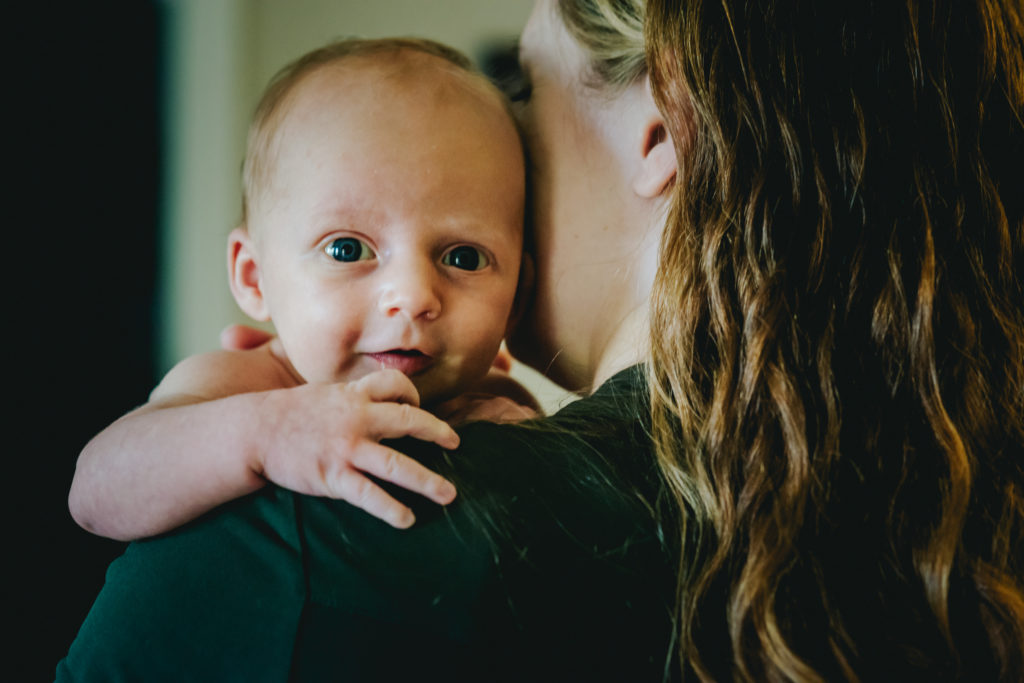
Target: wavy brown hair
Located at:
point(838, 366)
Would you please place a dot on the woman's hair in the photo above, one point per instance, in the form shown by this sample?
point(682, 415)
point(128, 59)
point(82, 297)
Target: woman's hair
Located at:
point(612, 33)
point(268, 114)
point(837, 368)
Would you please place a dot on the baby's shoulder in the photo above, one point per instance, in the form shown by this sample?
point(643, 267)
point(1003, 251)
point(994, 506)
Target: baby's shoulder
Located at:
point(217, 374)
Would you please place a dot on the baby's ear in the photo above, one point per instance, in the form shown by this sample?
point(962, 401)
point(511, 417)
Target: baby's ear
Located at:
point(244, 274)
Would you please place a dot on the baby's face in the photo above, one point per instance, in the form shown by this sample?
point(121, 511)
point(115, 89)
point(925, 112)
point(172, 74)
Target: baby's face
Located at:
point(391, 232)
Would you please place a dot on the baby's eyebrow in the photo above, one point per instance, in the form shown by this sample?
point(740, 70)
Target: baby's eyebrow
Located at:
point(468, 231)
point(475, 231)
point(335, 210)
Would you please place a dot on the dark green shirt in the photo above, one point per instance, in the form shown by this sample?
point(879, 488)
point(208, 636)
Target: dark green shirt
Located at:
point(549, 566)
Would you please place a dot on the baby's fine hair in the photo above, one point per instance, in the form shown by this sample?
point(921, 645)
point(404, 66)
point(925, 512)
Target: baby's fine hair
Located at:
point(268, 114)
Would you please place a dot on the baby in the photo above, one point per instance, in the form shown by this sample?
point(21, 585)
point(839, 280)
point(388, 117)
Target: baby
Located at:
point(382, 234)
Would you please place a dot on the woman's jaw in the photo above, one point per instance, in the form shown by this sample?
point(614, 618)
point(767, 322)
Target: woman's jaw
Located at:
point(595, 232)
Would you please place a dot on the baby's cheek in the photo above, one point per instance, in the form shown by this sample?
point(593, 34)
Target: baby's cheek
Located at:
point(344, 350)
point(338, 326)
point(349, 339)
point(486, 340)
point(328, 353)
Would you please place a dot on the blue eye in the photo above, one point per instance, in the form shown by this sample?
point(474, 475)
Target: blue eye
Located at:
point(465, 258)
point(348, 250)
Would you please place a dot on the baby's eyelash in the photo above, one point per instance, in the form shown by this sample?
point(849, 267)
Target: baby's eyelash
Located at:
point(349, 250)
point(465, 257)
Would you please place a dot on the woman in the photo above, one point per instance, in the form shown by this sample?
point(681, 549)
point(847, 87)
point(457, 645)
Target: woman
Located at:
point(835, 376)
point(552, 564)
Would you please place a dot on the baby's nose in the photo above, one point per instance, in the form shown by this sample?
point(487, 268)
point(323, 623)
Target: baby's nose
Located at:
point(411, 291)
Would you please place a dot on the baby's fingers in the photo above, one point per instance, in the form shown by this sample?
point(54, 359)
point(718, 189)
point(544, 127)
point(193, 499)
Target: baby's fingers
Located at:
point(395, 420)
point(390, 465)
point(389, 385)
point(363, 493)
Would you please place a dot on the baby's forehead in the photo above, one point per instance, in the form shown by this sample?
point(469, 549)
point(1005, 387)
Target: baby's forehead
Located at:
point(402, 74)
point(374, 113)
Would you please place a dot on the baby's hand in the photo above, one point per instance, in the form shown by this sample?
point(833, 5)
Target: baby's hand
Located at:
point(495, 398)
point(484, 407)
point(327, 442)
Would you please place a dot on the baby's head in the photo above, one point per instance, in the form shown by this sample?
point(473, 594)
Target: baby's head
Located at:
point(384, 189)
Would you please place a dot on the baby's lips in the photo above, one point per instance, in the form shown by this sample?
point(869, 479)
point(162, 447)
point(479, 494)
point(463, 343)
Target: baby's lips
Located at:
point(408, 362)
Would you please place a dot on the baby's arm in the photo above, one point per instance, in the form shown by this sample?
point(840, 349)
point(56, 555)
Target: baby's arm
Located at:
point(221, 425)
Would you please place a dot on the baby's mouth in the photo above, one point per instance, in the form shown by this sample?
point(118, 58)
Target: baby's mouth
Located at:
point(407, 361)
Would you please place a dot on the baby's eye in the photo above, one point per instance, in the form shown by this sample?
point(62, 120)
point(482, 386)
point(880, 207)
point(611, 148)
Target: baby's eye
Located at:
point(348, 249)
point(465, 258)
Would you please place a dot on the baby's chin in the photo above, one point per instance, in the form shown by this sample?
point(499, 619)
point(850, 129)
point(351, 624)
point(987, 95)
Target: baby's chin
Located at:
point(434, 389)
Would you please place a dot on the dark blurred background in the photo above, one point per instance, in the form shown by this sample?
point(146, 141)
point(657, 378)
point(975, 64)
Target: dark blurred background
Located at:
point(80, 259)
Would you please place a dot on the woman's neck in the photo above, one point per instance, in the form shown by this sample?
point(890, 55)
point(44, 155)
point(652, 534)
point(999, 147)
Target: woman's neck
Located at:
point(627, 345)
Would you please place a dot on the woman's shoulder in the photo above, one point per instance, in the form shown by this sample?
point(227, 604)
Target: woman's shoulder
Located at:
point(570, 507)
point(551, 563)
point(614, 410)
point(596, 450)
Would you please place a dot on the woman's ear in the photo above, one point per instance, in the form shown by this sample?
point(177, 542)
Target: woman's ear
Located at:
point(658, 162)
point(244, 274)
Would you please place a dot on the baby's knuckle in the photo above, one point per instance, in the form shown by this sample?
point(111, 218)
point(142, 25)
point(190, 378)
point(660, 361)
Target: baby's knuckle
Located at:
point(362, 491)
point(406, 414)
point(392, 464)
